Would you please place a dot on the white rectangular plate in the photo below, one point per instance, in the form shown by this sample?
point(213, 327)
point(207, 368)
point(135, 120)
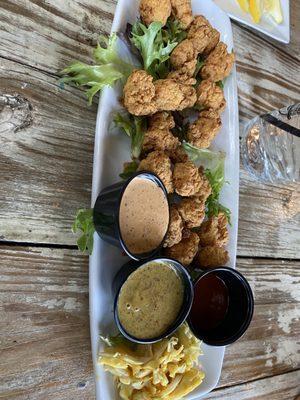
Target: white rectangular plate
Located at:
point(111, 150)
point(267, 26)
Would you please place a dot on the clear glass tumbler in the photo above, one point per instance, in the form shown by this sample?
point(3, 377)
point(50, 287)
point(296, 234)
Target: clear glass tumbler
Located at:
point(270, 145)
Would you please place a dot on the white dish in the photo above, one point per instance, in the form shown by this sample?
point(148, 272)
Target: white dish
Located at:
point(267, 26)
point(111, 150)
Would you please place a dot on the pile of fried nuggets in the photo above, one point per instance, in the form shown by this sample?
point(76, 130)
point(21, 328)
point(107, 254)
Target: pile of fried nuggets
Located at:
point(162, 152)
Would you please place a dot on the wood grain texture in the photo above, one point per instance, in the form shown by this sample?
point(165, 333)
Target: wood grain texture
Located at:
point(281, 387)
point(51, 34)
point(46, 154)
point(45, 344)
point(44, 325)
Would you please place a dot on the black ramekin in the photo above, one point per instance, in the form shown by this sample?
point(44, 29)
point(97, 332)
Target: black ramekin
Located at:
point(132, 266)
point(106, 214)
point(239, 313)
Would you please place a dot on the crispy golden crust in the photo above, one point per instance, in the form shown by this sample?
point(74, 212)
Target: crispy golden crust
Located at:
point(212, 256)
point(192, 212)
point(155, 11)
point(214, 232)
point(171, 95)
point(159, 139)
point(186, 179)
point(205, 190)
point(201, 133)
point(218, 64)
point(182, 54)
point(200, 33)
point(160, 164)
point(139, 93)
point(178, 155)
point(184, 251)
point(210, 96)
point(214, 39)
point(182, 11)
point(185, 74)
point(161, 120)
point(174, 234)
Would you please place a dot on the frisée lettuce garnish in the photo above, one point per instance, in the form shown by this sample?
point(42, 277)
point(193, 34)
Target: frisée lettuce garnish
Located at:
point(155, 47)
point(84, 223)
point(214, 169)
point(107, 69)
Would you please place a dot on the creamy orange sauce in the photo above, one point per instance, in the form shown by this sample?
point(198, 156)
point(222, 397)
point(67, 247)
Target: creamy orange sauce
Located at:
point(150, 300)
point(143, 216)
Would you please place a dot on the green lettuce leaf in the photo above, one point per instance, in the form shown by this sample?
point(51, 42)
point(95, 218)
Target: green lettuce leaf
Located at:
point(84, 222)
point(129, 169)
point(173, 31)
point(214, 164)
point(108, 68)
point(134, 127)
point(154, 49)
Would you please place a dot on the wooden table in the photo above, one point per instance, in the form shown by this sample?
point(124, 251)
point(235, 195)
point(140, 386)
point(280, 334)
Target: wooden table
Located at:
point(46, 150)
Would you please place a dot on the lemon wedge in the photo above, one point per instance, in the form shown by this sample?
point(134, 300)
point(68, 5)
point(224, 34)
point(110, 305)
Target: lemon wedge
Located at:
point(273, 8)
point(255, 10)
point(244, 4)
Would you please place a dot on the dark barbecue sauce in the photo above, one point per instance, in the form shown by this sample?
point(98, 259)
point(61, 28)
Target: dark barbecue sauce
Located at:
point(210, 303)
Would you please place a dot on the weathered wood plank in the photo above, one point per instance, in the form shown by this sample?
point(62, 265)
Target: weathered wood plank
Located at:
point(46, 162)
point(51, 34)
point(46, 154)
point(269, 219)
point(45, 344)
point(281, 387)
point(44, 325)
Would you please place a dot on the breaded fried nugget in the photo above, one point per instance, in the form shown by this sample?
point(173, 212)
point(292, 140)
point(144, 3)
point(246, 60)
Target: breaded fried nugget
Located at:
point(214, 39)
point(192, 212)
point(178, 155)
point(185, 74)
point(214, 232)
point(212, 256)
point(182, 11)
point(182, 54)
point(205, 190)
point(160, 164)
point(210, 96)
point(159, 139)
point(161, 120)
point(174, 234)
point(155, 11)
point(218, 64)
point(184, 251)
point(139, 93)
point(171, 95)
point(201, 133)
point(186, 179)
point(201, 34)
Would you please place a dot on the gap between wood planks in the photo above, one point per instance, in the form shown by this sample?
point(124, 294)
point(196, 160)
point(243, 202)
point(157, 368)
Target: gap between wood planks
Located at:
point(12, 243)
point(220, 388)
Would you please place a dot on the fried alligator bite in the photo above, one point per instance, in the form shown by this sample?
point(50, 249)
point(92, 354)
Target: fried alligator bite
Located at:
point(174, 234)
point(139, 93)
point(214, 232)
point(212, 256)
point(201, 133)
point(160, 164)
point(210, 96)
point(182, 11)
point(218, 64)
point(186, 179)
point(185, 250)
point(155, 11)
